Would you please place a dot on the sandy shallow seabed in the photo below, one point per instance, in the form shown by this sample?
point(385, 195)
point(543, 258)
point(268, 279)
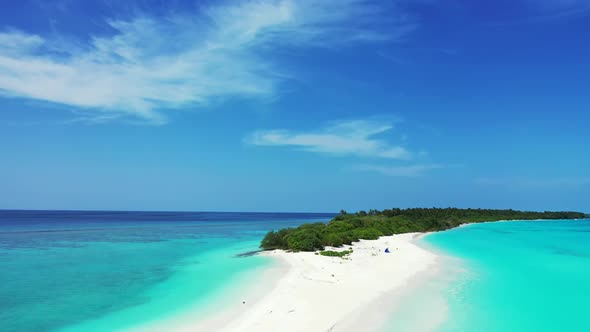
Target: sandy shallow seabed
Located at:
point(308, 292)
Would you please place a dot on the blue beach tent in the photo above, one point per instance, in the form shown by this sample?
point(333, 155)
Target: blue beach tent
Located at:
point(387, 250)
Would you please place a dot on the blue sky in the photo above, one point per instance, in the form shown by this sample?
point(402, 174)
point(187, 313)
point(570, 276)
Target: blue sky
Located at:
point(294, 105)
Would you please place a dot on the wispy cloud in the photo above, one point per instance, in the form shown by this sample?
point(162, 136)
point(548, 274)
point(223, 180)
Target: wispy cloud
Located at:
point(356, 138)
point(400, 171)
point(543, 11)
point(154, 63)
point(535, 182)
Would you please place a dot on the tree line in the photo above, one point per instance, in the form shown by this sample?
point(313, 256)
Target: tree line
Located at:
point(346, 228)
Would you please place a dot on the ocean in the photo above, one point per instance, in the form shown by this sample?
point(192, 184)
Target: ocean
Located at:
point(72, 271)
point(521, 276)
point(109, 271)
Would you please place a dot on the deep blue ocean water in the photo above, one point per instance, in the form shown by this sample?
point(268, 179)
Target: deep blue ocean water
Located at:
point(108, 271)
point(521, 276)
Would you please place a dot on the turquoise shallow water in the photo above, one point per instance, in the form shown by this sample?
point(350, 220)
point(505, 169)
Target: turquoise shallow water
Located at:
point(510, 276)
point(97, 271)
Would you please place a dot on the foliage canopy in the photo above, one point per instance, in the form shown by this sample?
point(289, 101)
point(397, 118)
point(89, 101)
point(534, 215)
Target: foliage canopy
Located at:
point(346, 228)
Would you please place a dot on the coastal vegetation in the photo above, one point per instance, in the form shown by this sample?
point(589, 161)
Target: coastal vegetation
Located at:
point(331, 253)
point(346, 228)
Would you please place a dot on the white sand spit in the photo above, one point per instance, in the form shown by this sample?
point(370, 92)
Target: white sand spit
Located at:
point(319, 293)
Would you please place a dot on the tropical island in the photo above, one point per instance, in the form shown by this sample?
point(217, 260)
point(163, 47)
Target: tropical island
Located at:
point(347, 228)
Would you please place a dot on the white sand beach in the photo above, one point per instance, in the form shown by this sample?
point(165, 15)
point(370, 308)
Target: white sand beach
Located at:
point(309, 292)
point(318, 293)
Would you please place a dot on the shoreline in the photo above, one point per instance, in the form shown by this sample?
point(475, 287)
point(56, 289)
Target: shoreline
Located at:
point(223, 308)
point(311, 292)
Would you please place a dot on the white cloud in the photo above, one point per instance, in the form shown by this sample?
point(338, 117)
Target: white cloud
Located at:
point(400, 171)
point(153, 63)
point(343, 138)
point(14, 42)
